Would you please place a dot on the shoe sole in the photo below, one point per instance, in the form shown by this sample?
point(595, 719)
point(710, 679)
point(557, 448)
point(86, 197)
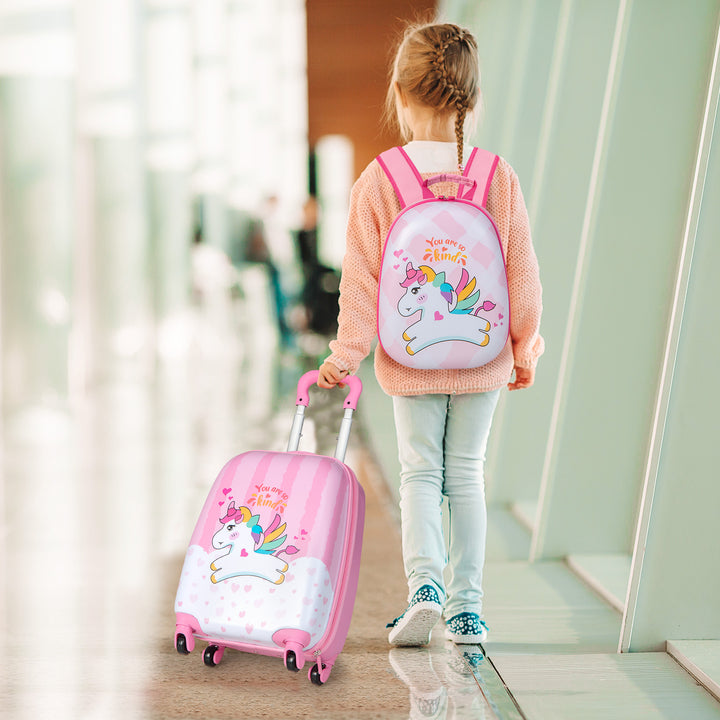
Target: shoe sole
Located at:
point(415, 628)
point(466, 639)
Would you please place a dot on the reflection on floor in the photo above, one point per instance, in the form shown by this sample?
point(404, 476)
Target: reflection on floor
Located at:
point(99, 500)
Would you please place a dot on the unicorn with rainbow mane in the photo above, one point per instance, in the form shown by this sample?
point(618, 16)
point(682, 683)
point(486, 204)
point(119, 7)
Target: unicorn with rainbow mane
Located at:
point(250, 549)
point(446, 312)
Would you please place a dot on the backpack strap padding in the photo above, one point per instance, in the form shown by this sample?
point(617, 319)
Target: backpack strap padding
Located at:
point(480, 167)
point(410, 187)
point(404, 177)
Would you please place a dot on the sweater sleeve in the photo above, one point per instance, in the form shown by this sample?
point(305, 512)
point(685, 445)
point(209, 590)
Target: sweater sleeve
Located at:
point(523, 284)
point(357, 319)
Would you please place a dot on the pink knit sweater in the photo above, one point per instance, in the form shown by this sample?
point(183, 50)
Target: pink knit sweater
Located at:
point(373, 207)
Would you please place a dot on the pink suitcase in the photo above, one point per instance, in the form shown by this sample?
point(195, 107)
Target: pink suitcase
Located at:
point(273, 562)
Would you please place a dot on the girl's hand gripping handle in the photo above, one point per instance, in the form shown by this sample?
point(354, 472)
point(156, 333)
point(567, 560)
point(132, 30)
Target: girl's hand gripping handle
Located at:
point(303, 400)
point(310, 378)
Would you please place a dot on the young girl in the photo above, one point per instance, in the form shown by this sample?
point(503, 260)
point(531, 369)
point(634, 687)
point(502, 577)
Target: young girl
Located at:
point(442, 417)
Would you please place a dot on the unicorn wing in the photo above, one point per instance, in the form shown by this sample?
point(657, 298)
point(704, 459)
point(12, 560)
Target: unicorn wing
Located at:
point(463, 281)
point(273, 537)
point(466, 289)
point(269, 546)
point(466, 298)
point(465, 306)
point(274, 530)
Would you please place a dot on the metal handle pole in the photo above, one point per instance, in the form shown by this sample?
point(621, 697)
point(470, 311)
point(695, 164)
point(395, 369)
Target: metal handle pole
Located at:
point(296, 430)
point(344, 434)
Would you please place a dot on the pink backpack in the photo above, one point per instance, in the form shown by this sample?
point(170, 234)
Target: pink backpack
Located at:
point(443, 292)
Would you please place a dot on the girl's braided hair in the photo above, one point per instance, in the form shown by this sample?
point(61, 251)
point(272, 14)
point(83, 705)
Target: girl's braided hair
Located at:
point(437, 65)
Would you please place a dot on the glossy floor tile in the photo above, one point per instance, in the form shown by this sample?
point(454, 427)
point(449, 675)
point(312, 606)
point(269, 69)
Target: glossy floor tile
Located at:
point(544, 608)
point(644, 686)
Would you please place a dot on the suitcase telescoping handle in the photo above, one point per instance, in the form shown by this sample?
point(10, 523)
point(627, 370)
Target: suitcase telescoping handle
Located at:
point(303, 400)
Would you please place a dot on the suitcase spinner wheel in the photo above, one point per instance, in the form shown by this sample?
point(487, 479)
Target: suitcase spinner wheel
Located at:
point(317, 675)
point(213, 655)
point(273, 563)
point(291, 661)
point(181, 644)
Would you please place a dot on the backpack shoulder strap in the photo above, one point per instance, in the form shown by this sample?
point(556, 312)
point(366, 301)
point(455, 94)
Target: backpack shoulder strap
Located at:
point(480, 167)
point(404, 177)
point(410, 187)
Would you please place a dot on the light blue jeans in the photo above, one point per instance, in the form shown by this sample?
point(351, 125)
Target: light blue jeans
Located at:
point(441, 445)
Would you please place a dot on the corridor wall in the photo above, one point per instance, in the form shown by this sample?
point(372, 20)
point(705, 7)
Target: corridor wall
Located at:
point(612, 177)
point(674, 589)
point(572, 71)
point(615, 338)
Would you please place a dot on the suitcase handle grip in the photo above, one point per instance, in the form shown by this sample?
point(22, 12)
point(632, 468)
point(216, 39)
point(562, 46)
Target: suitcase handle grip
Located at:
point(311, 378)
point(303, 401)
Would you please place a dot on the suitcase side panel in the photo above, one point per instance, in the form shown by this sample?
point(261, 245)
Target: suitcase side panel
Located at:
point(331, 644)
point(267, 551)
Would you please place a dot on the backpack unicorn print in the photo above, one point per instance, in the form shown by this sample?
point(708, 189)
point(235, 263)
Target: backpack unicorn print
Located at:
point(443, 291)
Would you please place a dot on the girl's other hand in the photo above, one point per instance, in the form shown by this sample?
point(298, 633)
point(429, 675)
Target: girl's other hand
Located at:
point(524, 378)
point(330, 376)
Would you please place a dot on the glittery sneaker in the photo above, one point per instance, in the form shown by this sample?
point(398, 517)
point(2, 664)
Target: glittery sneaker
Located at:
point(414, 627)
point(466, 629)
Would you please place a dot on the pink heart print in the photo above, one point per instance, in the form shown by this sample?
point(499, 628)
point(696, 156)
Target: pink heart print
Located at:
point(438, 315)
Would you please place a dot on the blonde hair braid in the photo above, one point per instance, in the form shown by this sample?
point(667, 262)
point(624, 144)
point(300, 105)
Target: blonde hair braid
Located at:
point(454, 93)
point(437, 65)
